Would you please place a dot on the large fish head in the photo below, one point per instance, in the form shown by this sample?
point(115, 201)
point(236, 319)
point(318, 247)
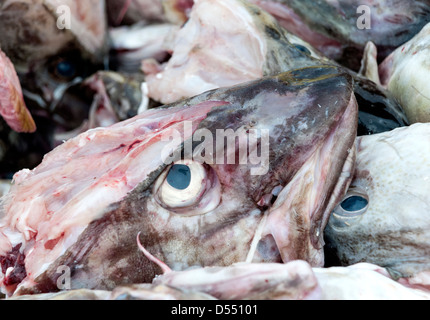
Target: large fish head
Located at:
point(384, 216)
point(197, 180)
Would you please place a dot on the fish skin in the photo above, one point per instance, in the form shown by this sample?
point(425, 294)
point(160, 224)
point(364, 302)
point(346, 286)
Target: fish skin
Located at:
point(125, 12)
point(203, 44)
point(31, 32)
point(129, 12)
point(12, 104)
point(130, 45)
point(364, 281)
point(404, 74)
point(392, 172)
point(103, 253)
point(331, 26)
point(295, 280)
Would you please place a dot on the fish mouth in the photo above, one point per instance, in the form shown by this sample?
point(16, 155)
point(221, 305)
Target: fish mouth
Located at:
point(292, 228)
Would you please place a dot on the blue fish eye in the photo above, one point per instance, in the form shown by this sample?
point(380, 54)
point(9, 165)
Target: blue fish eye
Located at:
point(354, 203)
point(66, 69)
point(302, 49)
point(179, 176)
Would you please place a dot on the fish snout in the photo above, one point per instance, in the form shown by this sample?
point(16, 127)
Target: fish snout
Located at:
point(301, 211)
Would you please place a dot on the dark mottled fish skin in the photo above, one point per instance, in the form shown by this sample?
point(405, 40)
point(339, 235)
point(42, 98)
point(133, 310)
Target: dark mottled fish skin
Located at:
point(379, 110)
point(394, 23)
point(106, 254)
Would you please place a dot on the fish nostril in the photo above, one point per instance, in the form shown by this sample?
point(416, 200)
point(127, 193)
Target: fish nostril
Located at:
point(274, 198)
point(275, 193)
point(270, 199)
point(268, 250)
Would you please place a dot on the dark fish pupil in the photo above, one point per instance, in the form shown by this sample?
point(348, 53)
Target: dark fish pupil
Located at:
point(66, 69)
point(179, 177)
point(354, 203)
point(302, 49)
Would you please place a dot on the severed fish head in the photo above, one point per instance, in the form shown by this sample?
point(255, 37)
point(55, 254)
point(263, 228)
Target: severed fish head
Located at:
point(247, 173)
point(341, 28)
point(53, 44)
point(404, 73)
point(384, 219)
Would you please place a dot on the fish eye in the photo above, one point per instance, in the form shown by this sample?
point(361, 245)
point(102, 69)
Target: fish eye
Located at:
point(188, 187)
point(355, 203)
point(302, 49)
point(179, 176)
point(64, 69)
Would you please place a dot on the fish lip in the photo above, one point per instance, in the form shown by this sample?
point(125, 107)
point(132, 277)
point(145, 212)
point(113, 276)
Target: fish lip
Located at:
point(304, 232)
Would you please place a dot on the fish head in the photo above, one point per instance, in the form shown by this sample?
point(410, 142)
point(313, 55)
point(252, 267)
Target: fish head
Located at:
point(404, 73)
point(53, 44)
point(383, 218)
point(341, 29)
point(101, 100)
point(197, 180)
point(229, 53)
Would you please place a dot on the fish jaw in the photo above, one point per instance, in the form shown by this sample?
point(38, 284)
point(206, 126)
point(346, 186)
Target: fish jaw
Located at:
point(302, 209)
